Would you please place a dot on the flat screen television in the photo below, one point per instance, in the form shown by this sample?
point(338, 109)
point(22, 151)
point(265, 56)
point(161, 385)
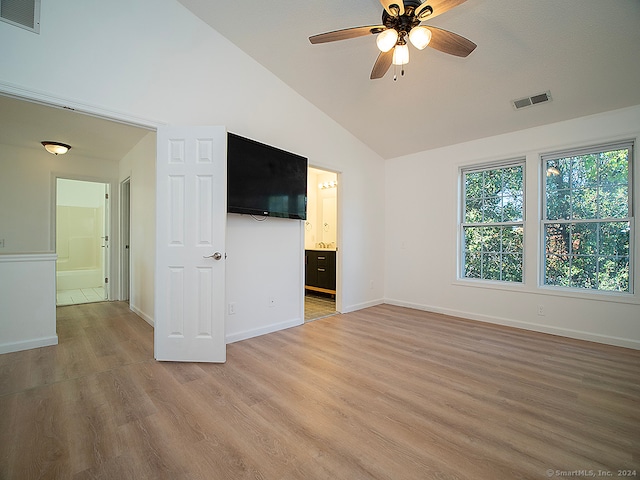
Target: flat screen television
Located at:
point(264, 180)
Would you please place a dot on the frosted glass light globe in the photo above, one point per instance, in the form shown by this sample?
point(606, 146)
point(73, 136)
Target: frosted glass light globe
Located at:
point(387, 39)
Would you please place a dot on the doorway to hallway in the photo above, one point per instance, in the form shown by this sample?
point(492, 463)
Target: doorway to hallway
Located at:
point(321, 244)
point(82, 241)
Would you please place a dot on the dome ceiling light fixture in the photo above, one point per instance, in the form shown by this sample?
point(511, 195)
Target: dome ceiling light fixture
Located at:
point(401, 22)
point(56, 148)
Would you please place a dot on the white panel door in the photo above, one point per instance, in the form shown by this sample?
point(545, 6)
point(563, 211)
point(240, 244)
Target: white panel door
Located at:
point(190, 235)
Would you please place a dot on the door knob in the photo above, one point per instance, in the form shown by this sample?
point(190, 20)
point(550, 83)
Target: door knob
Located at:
point(215, 256)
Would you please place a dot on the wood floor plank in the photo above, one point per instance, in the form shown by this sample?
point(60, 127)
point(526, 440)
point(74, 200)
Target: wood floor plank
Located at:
point(382, 393)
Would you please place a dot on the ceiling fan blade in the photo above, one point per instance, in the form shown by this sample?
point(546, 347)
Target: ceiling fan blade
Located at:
point(451, 43)
point(437, 7)
point(346, 34)
point(393, 7)
point(382, 64)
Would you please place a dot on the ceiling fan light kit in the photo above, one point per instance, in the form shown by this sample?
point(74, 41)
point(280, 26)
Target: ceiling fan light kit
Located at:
point(387, 39)
point(420, 37)
point(401, 20)
point(401, 55)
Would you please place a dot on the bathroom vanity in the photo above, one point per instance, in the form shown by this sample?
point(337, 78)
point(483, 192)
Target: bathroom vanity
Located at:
point(320, 270)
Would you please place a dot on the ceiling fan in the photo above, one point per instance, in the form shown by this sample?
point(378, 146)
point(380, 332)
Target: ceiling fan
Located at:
point(401, 21)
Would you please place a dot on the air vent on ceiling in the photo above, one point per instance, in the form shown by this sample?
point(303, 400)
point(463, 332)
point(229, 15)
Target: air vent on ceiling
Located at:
point(21, 13)
point(533, 100)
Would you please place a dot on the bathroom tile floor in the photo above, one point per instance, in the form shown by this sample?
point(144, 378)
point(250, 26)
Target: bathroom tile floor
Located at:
point(318, 306)
point(83, 295)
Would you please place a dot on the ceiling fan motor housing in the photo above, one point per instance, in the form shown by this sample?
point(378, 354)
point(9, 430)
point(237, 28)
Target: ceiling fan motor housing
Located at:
point(403, 23)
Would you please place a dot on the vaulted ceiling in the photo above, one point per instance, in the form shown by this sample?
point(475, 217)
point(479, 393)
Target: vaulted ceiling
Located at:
point(585, 52)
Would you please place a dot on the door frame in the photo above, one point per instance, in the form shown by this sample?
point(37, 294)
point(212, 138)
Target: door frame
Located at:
point(32, 96)
point(125, 240)
point(339, 239)
point(110, 220)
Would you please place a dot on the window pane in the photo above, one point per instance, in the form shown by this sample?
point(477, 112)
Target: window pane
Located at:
point(473, 211)
point(559, 205)
point(473, 185)
point(613, 274)
point(584, 171)
point(491, 241)
point(473, 239)
point(512, 267)
point(584, 203)
point(491, 196)
point(491, 266)
point(614, 201)
point(512, 239)
point(614, 168)
point(557, 270)
point(557, 238)
point(492, 182)
point(512, 208)
point(492, 210)
point(473, 265)
point(614, 239)
point(584, 239)
point(592, 253)
point(512, 181)
point(584, 272)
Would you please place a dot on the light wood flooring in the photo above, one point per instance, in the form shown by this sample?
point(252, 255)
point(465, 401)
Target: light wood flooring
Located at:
point(381, 393)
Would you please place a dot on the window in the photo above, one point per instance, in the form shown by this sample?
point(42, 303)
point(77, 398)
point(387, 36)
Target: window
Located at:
point(493, 222)
point(587, 218)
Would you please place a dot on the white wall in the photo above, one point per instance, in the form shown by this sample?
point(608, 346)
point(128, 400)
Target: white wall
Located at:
point(177, 70)
point(139, 165)
point(28, 301)
point(422, 212)
point(264, 275)
point(27, 201)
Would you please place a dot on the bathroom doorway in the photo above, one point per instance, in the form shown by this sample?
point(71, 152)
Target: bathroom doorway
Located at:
point(321, 244)
point(82, 241)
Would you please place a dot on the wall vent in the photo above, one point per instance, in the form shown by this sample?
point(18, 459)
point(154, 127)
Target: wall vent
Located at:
point(533, 100)
point(21, 13)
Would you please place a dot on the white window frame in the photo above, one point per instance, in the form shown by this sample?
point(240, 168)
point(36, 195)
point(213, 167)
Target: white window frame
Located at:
point(516, 162)
point(576, 152)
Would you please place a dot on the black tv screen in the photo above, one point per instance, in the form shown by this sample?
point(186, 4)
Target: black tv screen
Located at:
point(264, 180)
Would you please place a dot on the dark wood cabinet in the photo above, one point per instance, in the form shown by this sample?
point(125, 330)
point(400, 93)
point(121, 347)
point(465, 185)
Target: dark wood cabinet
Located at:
point(320, 271)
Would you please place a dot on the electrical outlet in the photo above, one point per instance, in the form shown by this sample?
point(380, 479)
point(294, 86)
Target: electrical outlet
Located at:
point(541, 310)
point(231, 309)
point(271, 302)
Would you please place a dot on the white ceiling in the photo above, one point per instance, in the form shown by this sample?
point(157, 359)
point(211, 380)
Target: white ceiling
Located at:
point(585, 52)
point(26, 124)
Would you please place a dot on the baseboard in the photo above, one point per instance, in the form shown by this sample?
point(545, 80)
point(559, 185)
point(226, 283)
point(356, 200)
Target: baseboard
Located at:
point(360, 306)
point(274, 327)
point(141, 314)
point(28, 344)
point(534, 327)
